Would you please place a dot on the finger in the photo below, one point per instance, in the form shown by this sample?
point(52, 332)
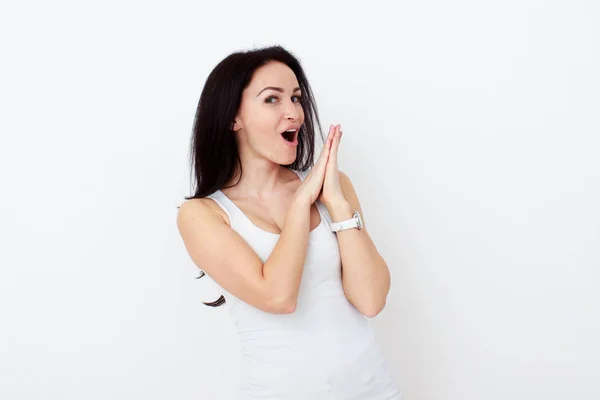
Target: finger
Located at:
point(329, 136)
point(327, 144)
point(335, 145)
point(321, 167)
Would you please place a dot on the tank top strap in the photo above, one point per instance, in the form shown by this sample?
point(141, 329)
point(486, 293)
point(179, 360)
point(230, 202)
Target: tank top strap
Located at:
point(302, 174)
point(227, 205)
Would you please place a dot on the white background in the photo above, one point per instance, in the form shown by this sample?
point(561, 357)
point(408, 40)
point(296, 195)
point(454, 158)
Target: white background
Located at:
point(471, 134)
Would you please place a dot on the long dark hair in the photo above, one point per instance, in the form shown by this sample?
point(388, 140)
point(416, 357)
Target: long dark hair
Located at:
point(214, 156)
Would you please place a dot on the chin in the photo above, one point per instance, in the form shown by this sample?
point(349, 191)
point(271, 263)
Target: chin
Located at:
point(289, 161)
point(285, 160)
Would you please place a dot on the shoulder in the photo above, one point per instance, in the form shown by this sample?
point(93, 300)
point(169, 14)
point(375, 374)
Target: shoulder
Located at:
point(200, 209)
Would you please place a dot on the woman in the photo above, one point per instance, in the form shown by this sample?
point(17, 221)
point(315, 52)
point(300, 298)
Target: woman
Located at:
point(261, 224)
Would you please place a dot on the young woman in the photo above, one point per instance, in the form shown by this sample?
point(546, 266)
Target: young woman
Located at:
point(282, 236)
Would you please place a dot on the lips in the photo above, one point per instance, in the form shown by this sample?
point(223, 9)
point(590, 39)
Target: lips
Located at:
point(290, 138)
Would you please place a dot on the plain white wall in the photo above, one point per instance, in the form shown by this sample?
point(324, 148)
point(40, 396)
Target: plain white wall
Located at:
point(471, 135)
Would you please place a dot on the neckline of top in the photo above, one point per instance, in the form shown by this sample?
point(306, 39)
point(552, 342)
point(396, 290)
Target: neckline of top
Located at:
point(299, 173)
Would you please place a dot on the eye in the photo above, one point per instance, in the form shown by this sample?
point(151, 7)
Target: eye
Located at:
point(268, 99)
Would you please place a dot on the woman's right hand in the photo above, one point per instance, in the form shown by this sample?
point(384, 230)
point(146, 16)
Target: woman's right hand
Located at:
point(311, 187)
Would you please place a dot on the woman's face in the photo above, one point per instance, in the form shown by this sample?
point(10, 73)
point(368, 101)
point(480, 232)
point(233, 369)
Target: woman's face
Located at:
point(270, 106)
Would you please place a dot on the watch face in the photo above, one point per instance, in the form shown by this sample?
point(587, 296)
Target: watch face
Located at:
point(358, 219)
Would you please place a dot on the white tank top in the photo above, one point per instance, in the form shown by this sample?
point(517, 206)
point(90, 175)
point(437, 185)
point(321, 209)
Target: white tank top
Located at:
point(325, 349)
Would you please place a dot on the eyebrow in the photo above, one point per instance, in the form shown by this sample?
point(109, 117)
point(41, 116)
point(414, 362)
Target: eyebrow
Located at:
point(278, 89)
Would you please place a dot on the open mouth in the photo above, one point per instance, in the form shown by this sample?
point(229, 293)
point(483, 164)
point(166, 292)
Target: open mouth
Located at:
point(289, 136)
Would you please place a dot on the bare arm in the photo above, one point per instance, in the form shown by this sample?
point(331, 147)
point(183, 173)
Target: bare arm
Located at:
point(365, 274)
point(220, 251)
point(283, 269)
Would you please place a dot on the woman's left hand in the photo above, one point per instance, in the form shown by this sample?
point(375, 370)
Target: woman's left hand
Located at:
point(332, 190)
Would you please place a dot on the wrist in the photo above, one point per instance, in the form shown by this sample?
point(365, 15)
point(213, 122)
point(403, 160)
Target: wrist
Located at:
point(340, 210)
point(299, 203)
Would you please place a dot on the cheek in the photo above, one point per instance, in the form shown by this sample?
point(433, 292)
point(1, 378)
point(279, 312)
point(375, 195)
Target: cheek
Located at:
point(260, 125)
point(262, 120)
point(254, 117)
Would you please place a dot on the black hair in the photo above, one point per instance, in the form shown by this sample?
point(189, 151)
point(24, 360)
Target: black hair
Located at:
point(214, 156)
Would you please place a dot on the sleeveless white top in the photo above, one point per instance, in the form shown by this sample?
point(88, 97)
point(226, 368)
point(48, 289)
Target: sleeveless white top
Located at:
point(325, 349)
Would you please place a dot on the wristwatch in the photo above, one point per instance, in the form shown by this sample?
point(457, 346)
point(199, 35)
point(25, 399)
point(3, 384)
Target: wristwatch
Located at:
point(354, 222)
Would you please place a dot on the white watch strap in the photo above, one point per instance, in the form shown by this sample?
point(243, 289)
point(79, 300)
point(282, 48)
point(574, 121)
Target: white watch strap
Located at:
point(346, 224)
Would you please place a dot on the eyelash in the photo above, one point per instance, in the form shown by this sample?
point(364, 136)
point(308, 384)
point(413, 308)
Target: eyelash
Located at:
point(275, 97)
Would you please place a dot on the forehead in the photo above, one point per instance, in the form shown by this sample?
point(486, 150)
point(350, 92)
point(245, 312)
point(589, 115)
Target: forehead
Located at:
point(273, 74)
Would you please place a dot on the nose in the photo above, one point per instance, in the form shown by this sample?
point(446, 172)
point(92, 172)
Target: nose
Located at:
point(291, 110)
